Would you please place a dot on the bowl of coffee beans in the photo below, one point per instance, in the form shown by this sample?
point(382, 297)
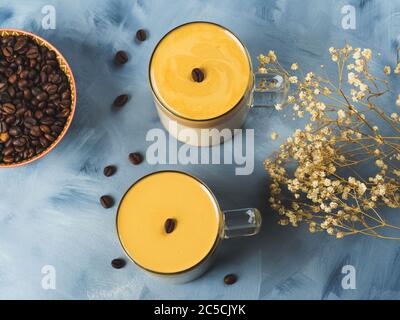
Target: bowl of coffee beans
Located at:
point(37, 97)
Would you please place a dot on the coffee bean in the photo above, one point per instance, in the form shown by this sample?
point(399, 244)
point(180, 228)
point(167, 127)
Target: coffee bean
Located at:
point(141, 35)
point(8, 159)
point(230, 279)
point(35, 131)
point(19, 142)
point(7, 51)
point(118, 263)
point(106, 201)
point(109, 171)
point(20, 43)
point(8, 108)
point(121, 100)
point(44, 142)
point(135, 158)
point(13, 78)
point(3, 127)
point(49, 137)
point(14, 131)
point(8, 150)
point(35, 98)
point(169, 225)
point(32, 53)
point(197, 75)
point(44, 128)
point(4, 137)
point(121, 57)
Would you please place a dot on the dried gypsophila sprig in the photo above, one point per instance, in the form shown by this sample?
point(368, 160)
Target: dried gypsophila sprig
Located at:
point(317, 174)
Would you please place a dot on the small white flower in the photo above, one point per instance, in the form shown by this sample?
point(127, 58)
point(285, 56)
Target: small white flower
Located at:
point(294, 66)
point(293, 79)
point(341, 114)
point(272, 56)
point(367, 54)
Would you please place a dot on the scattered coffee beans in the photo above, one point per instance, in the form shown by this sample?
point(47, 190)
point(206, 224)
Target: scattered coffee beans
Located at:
point(136, 158)
point(106, 201)
point(121, 100)
point(109, 171)
point(118, 263)
point(121, 57)
point(141, 35)
point(230, 279)
point(35, 98)
point(169, 225)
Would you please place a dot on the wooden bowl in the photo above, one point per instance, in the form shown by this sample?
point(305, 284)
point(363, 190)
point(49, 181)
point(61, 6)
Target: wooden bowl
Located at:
point(67, 70)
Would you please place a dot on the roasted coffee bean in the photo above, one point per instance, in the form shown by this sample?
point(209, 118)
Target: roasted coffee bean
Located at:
point(20, 43)
point(35, 98)
point(43, 77)
point(51, 55)
point(19, 142)
point(8, 108)
point(63, 114)
point(50, 88)
point(8, 150)
point(121, 57)
point(22, 84)
point(121, 100)
point(10, 119)
point(14, 131)
point(7, 51)
point(109, 171)
point(141, 35)
point(4, 137)
point(49, 137)
point(3, 127)
point(118, 263)
point(3, 85)
point(13, 78)
point(8, 159)
point(47, 121)
point(230, 279)
point(44, 142)
point(135, 158)
point(197, 75)
point(35, 131)
point(32, 53)
point(169, 225)
point(42, 96)
point(38, 114)
point(29, 122)
point(44, 128)
point(56, 129)
point(106, 201)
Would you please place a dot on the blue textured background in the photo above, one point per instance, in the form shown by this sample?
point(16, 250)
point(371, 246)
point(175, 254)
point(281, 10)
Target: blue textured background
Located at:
point(49, 211)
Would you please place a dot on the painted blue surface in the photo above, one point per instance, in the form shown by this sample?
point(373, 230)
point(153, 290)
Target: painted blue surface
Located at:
point(49, 211)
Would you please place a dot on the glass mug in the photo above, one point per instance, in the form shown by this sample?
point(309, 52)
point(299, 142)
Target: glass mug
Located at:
point(169, 223)
point(196, 110)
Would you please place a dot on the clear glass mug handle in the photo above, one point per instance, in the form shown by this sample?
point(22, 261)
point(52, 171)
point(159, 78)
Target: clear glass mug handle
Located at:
point(269, 89)
point(241, 222)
